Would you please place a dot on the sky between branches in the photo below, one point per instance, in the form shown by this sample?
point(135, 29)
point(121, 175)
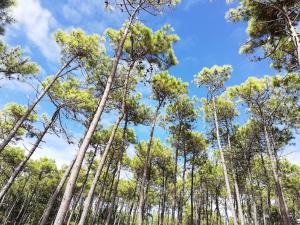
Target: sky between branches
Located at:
point(206, 39)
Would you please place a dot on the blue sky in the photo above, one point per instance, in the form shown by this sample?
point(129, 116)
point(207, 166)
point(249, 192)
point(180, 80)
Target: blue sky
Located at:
point(206, 39)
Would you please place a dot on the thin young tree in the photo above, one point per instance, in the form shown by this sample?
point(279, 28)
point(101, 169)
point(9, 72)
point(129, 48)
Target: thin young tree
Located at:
point(213, 79)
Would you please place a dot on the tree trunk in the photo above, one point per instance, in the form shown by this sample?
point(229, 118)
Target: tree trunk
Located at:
point(106, 151)
point(55, 194)
point(21, 165)
point(98, 207)
point(192, 189)
point(293, 33)
point(120, 162)
point(20, 122)
point(182, 200)
point(85, 143)
point(230, 201)
point(282, 204)
point(83, 186)
point(175, 187)
point(144, 183)
point(238, 199)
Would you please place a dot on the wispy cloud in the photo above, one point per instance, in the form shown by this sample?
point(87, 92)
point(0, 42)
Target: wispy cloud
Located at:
point(37, 23)
point(188, 4)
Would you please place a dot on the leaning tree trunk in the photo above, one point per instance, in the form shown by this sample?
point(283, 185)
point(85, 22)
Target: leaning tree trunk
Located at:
point(83, 185)
point(20, 122)
point(282, 203)
point(51, 201)
point(86, 141)
point(89, 197)
point(21, 165)
point(228, 189)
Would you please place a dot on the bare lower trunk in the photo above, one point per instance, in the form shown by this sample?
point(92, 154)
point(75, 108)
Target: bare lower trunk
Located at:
point(89, 197)
point(238, 199)
point(83, 186)
point(20, 122)
point(175, 187)
point(86, 140)
point(192, 189)
point(55, 194)
point(144, 183)
point(115, 189)
point(21, 165)
point(282, 203)
point(228, 189)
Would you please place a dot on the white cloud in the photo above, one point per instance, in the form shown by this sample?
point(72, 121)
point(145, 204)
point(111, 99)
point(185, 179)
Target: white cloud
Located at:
point(57, 149)
point(91, 15)
point(52, 147)
point(37, 23)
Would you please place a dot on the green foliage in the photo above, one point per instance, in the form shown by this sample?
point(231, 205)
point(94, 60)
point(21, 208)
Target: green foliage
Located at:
point(72, 95)
point(14, 65)
point(213, 78)
point(11, 113)
point(166, 87)
point(269, 30)
point(143, 44)
point(76, 44)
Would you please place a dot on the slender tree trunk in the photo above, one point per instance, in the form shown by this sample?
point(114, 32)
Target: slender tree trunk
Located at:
point(120, 162)
point(282, 203)
point(98, 207)
point(131, 206)
point(228, 189)
point(175, 186)
point(21, 165)
point(20, 122)
point(86, 141)
point(106, 151)
point(293, 33)
point(144, 183)
point(115, 189)
point(82, 187)
point(180, 212)
point(238, 199)
point(192, 189)
point(163, 205)
point(89, 197)
point(55, 194)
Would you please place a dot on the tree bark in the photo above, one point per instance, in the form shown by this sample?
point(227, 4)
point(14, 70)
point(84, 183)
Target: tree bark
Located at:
point(144, 183)
point(82, 187)
point(228, 189)
point(282, 203)
point(55, 194)
point(86, 141)
point(106, 151)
